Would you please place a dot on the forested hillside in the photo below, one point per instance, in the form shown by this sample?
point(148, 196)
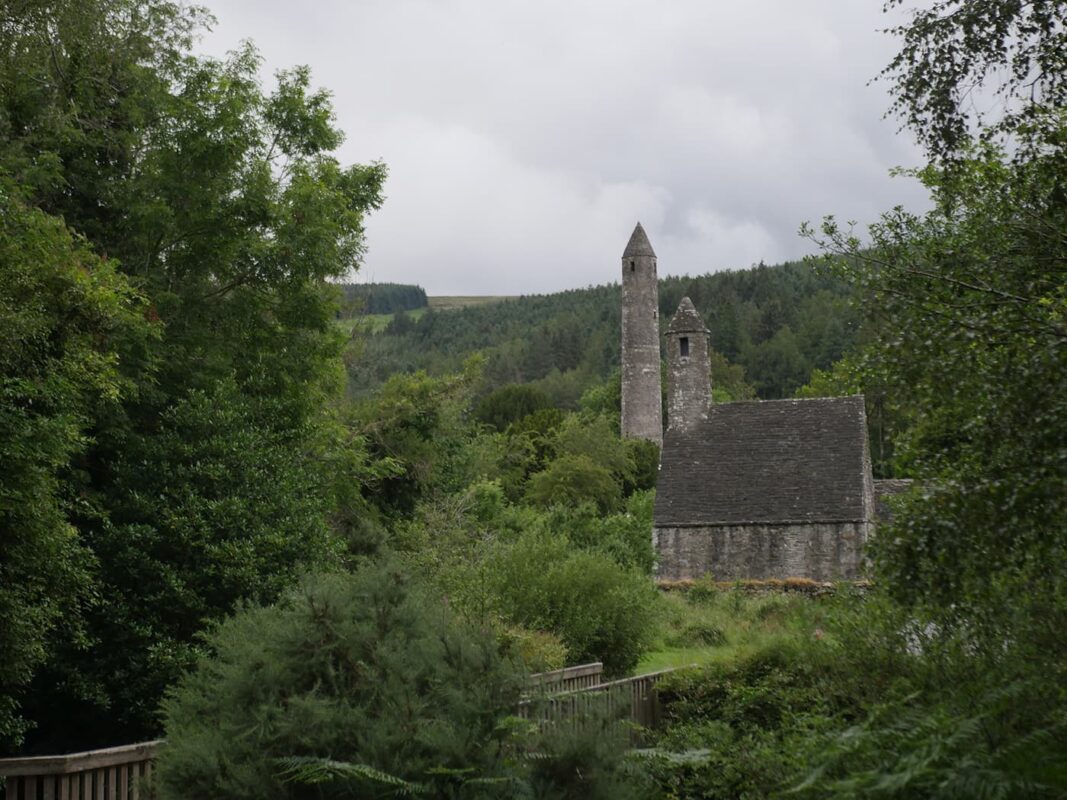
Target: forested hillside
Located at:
point(776, 323)
point(380, 298)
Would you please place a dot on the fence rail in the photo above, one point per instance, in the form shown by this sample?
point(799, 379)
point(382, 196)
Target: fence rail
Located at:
point(568, 679)
point(116, 773)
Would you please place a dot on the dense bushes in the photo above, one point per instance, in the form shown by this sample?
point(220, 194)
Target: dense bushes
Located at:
point(601, 611)
point(64, 314)
point(366, 686)
point(367, 668)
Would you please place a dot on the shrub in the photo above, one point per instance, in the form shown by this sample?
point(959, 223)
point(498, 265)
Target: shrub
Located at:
point(698, 634)
point(510, 404)
point(368, 671)
point(747, 728)
point(624, 536)
point(704, 590)
point(539, 651)
point(600, 610)
point(572, 480)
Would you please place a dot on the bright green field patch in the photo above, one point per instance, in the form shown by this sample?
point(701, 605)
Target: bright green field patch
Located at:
point(445, 303)
point(375, 323)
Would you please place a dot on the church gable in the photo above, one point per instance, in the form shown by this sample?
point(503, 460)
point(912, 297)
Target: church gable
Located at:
point(774, 462)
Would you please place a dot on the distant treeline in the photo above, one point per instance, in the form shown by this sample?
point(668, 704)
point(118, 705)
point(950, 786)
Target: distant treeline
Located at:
point(380, 298)
point(776, 323)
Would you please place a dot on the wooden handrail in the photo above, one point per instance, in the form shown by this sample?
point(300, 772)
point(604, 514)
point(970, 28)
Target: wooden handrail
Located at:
point(80, 762)
point(556, 675)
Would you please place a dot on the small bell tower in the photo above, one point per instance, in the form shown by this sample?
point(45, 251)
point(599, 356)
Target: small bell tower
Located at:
point(688, 368)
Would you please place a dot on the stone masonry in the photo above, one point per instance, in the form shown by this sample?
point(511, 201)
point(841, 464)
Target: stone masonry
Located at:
point(759, 490)
point(642, 404)
point(688, 369)
point(746, 491)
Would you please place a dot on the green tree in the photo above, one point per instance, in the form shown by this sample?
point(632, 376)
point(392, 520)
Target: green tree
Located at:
point(574, 479)
point(65, 314)
point(955, 48)
point(367, 670)
point(219, 506)
point(971, 319)
point(974, 295)
point(601, 610)
point(510, 404)
point(777, 366)
point(227, 210)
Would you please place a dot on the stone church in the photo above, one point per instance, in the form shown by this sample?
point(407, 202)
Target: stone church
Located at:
point(749, 490)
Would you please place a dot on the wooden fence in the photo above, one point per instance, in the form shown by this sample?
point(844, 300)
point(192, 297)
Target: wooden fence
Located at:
point(116, 773)
point(567, 679)
point(564, 696)
point(635, 698)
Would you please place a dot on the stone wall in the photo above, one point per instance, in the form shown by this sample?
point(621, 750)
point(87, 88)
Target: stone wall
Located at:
point(823, 551)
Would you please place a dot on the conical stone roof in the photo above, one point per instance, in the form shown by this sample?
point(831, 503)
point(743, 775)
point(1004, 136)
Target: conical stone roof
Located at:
point(638, 244)
point(686, 319)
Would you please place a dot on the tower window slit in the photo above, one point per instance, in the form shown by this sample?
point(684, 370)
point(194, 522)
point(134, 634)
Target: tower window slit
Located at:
point(683, 344)
point(631, 266)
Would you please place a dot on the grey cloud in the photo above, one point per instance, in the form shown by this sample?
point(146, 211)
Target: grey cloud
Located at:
point(524, 139)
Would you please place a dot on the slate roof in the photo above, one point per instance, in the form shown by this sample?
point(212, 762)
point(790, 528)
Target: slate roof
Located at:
point(778, 461)
point(686, 319)
point(639, 245)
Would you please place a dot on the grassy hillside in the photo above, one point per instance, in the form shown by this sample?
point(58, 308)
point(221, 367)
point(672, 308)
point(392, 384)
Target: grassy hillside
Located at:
point(451, 302)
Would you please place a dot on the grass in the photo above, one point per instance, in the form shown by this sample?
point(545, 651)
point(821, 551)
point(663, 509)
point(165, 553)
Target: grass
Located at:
point(376, 323)
point(445, 303)
point(706, 624)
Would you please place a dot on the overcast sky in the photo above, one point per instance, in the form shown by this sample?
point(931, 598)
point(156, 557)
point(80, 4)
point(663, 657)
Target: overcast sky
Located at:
point(525, 138)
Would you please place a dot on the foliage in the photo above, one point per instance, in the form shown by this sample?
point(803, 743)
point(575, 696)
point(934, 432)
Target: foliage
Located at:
point(227, 211)
point(415, 427)
point(625, 536)
point(568, 342)
point(365, 685)
point(940, 751)
point(510, 404)
point(600, 610)
point(65, 313)
point(380, 298)
point(573, 479)
point(228, 496)
point(367, 668)
point(587, 762)
point(969, 307)
point(980, 351)
point(955, 48)
point(750, 724)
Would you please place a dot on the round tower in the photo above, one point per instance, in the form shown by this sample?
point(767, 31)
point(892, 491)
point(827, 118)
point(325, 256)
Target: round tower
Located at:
point(642, 405)
point(688, 368)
